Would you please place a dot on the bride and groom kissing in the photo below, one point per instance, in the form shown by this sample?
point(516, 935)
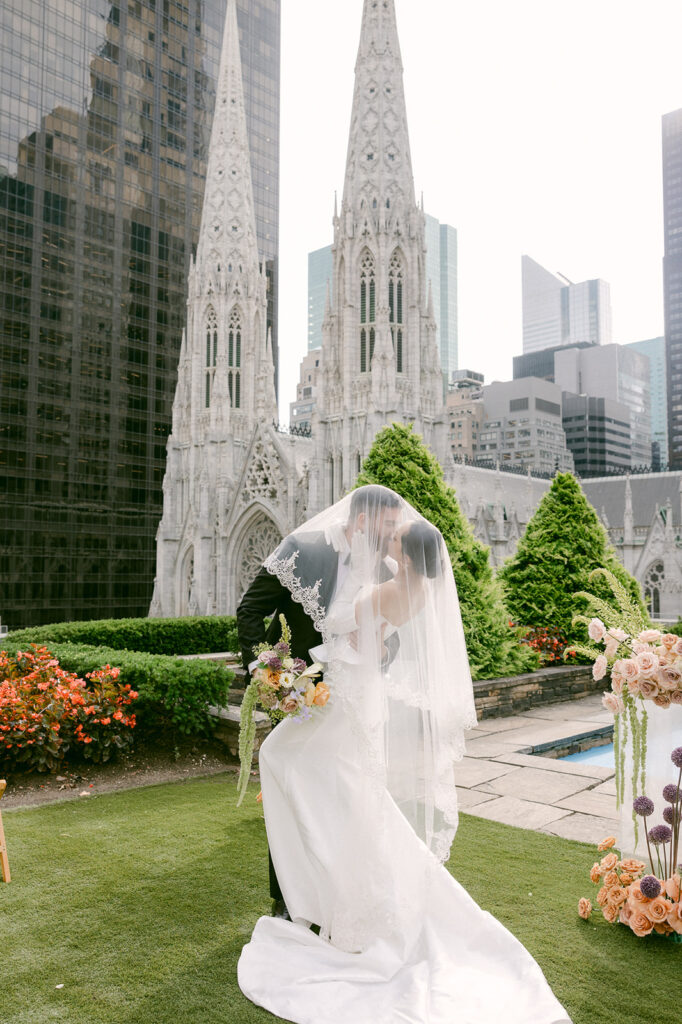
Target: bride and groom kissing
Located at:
point(360, 802)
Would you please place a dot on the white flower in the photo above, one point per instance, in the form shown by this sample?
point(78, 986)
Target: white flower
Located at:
point(612, 703)
point(650, 636)
point(599, 667)
point(287, 679)
point(647, 662)
point(630, 669)
point(596, 629)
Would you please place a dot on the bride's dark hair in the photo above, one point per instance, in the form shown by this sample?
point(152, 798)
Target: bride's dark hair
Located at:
point(422, 542)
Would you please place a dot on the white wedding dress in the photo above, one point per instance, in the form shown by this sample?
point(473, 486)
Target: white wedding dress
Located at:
point(342, 851)
point(360, 805)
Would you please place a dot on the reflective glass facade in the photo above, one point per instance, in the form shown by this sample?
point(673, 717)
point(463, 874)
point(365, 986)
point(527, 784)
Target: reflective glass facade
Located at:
point(105, 125)
point(672, 278)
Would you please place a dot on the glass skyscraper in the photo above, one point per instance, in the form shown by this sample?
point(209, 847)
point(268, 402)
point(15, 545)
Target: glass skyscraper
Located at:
point(106, 118)
point(654, 348)
point(320, 266)
point(557, 311)
point(672, 278)
point(441, 271)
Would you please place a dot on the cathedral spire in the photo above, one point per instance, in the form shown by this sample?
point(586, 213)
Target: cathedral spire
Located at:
point(378, 165)
point(227, 237)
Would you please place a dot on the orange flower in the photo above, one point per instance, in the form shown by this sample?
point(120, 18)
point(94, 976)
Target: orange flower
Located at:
point(608, 862)
point(671, 887)
point(610, 879)
point(584, 908)
point(636, 895)
point(610, 913)
point(675, 917)
point(118, 715)
point(602, 896)
point(321, 694)
point(259, 798)
point(625, 878)
point(657, 909)
point(309, 695)
point(595, 873)
point(640, 923)
point(607, 843)
point(617, 896)
point(634, 867)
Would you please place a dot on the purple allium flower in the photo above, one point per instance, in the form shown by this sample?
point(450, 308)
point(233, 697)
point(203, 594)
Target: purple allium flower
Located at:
point(643, 805)
point(660, 834)
point(650, 886)
point(669, 815)
point(282, 648)
point(275, 664)
point(671, 793)
point(299, 664)
point(676, 757)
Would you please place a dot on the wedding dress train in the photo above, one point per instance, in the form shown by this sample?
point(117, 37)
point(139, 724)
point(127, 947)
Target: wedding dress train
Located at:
point(401, 941)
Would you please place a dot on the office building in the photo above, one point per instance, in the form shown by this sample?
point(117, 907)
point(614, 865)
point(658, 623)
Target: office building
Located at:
point(301, 411)
point(597, 433)
point(464, 413)
point(654, 349)
point(319, 281)
point(672, 278)
point(557, 311)
point(522, 426)
point(441, 274)
point(539, 363)
point(616, 372)
point(107, 115)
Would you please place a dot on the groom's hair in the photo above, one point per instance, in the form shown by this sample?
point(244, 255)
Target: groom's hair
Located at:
point(371, 498)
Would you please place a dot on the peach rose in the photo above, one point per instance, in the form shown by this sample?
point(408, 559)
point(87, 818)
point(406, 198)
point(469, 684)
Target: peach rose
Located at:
point(670, 677)
point(677, 646)
point(671, 887)
point(662, 700)
point(611, 879)
point(288, 705)
point(647, 662)
point(676, 697)
point(595, 873)
point(650, 636)
point(657, 909)
point(584, 908)
point(663, 928)
point(640, 924)
point(610, 913)
point(321, 695)
point(636, 896)
point(625, 878)
point(596, 629)
point(617, 896)
point(608, 862)
point(599, 667)
point(617, 683)
point(624, 914)
point(675, 917)
point(633, 687)
point(648, 689)
point(309, 695)
point(669, 639)
point(603, 896)
point(632, 865)
point(612, 702)
point(629, 669)
point(607, 843)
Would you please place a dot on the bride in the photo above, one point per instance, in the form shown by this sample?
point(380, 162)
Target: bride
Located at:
point(360, 802)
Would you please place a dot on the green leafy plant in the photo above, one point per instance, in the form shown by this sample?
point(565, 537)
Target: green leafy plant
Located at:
point(45, 712)
point(399, 459)
point(563, 543)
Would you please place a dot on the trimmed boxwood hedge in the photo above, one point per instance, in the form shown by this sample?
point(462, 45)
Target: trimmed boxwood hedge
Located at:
point(173, 693)
point(189, 635)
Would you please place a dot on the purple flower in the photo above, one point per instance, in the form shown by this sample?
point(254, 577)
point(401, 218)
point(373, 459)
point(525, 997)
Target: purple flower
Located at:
point(671, 793)
point(676, 757)
point(669, 815)
point(299, 665)
point(275, 663)
point(660, 834)
point(650, 886)
point(282, 648)
point(643, 805)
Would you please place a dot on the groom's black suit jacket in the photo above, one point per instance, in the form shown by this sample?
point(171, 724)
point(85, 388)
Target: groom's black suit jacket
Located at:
point(267, 596)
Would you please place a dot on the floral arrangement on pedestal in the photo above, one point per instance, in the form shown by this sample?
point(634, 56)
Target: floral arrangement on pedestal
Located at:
point(652, 902)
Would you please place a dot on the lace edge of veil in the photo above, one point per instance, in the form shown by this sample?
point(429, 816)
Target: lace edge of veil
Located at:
point(308, 597)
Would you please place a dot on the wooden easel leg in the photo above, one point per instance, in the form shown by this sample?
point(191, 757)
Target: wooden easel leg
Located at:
point(4, 859)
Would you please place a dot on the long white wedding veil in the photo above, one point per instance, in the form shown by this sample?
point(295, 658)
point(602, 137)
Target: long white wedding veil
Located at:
point(376, 579)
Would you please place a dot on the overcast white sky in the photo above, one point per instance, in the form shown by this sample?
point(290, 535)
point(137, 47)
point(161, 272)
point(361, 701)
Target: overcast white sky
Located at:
point(535, 127)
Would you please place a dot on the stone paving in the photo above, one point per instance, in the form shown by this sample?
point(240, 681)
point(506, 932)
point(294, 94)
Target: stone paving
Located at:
point(499, 779)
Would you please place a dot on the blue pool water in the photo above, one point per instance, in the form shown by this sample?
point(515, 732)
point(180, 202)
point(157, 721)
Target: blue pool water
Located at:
point(602, 756)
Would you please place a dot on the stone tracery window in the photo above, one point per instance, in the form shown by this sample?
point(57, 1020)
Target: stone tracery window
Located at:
point(367, 311)
point(653, 582)
point(234, 358)
point(262, 538)
point(211, 351)
point(396, 304)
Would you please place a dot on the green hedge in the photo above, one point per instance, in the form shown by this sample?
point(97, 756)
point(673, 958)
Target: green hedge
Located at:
point(189, 635)
point(173, 693)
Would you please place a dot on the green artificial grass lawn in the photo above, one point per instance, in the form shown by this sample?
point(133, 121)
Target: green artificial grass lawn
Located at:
point(139, 903)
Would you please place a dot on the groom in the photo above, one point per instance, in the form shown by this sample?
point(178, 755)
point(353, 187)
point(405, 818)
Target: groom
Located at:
point(323, 557)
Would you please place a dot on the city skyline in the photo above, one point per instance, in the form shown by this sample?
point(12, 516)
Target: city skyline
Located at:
point(512, 145)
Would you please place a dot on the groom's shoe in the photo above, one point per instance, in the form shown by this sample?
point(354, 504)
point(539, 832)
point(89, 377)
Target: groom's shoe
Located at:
point(279, 909)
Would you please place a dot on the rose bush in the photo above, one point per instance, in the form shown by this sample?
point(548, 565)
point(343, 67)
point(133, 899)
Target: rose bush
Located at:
point(46, 712)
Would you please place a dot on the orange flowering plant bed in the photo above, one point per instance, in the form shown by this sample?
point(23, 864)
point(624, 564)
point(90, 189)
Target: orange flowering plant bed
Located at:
point(45, 712)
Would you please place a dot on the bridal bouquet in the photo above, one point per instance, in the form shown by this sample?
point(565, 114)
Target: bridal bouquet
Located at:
point(284, 687)
point(644, 902)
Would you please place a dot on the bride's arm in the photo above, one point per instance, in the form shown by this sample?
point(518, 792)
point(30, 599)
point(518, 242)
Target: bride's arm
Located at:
point(392, 601)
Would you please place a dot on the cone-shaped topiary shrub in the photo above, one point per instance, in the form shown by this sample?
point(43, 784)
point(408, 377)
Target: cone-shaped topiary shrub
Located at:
point(563, 543)
point(399, 459)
